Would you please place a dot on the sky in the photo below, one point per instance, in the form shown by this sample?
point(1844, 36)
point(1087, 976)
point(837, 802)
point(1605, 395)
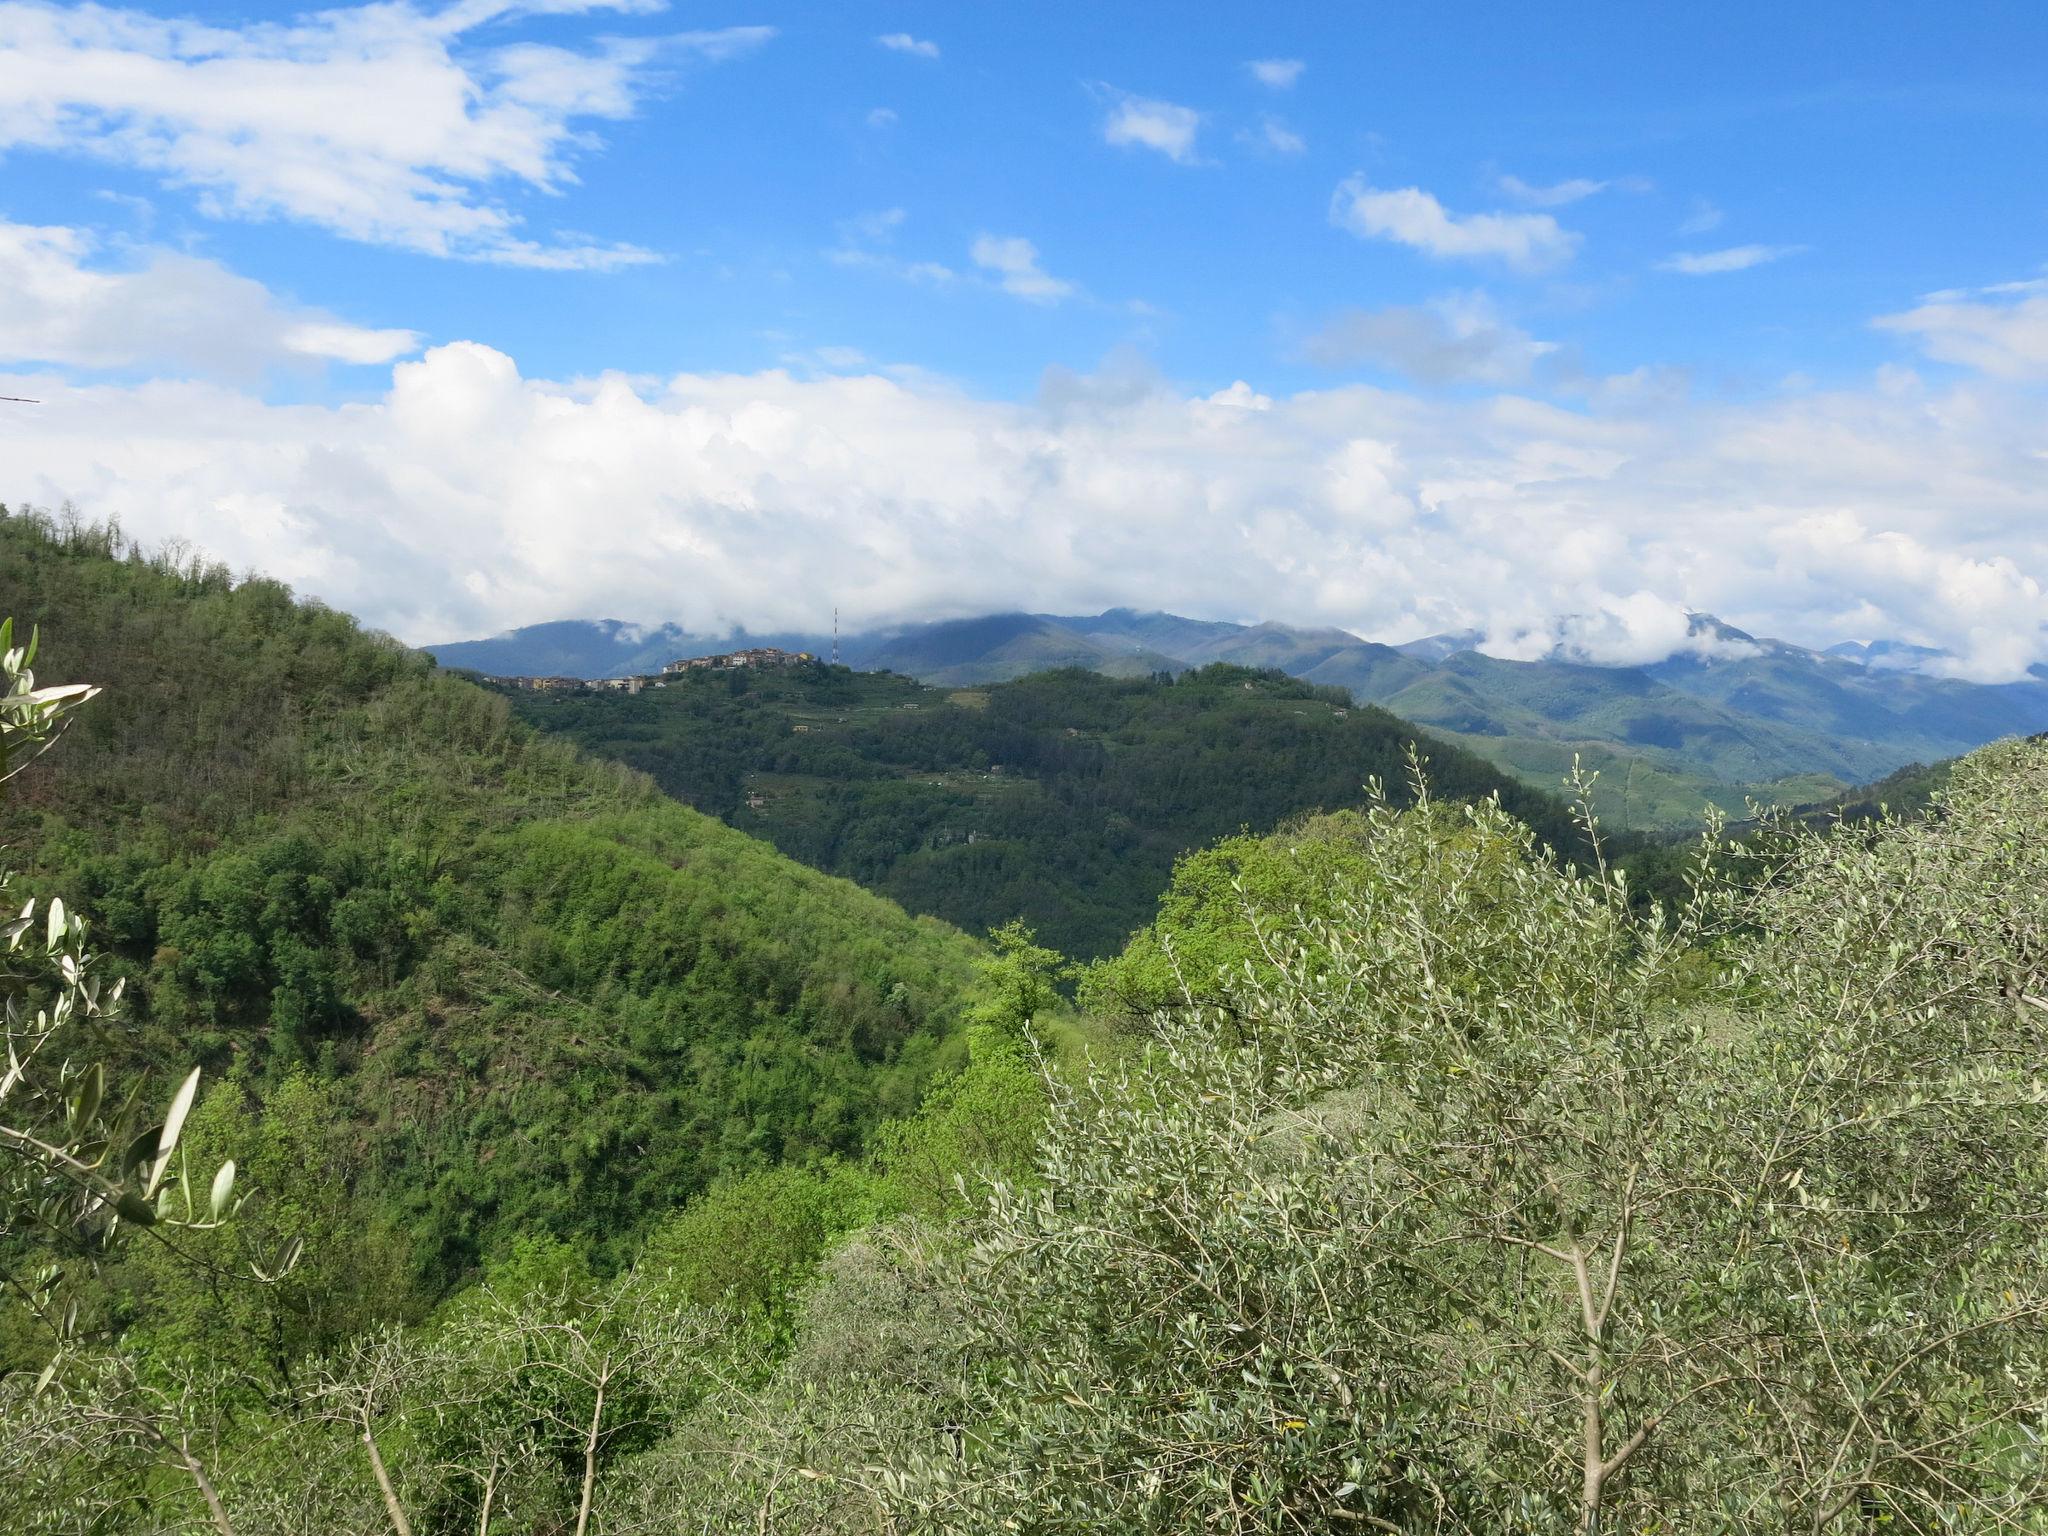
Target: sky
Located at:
point(1553, 322)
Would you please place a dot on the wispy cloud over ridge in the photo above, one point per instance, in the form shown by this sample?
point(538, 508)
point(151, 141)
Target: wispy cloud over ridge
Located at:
point(770, 497)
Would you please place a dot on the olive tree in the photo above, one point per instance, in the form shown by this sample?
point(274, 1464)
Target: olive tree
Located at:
point(105, 1436)
point(800, 1443)
point(1489, 1203)
point(557, 1381)
point(82, 1154)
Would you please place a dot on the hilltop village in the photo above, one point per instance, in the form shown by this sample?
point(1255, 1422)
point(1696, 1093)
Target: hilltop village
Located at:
point(727, 661)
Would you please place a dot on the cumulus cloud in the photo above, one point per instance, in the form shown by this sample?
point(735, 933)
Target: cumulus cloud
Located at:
point(1736, 258)
point(1529, 242)
point(1147, 124)
point(1458, 339)
point(1013, 262)
point(903, 42)
point(2001, 330)
point(64, 302)
point(1559, 194)
point(384, 123)
point(469, 498)
point(1276, 74)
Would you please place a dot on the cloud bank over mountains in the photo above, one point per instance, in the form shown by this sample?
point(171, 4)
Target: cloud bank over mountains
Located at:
point(1513, 483)
point(468, 499)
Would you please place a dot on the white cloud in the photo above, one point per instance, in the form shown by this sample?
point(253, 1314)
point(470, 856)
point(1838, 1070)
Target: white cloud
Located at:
point(865, 241)
point(1529, 242)
point(932, 273)
point(1456, 339)
point(1147, 124)
point(1557, 195)
point(1563, 193)
point(1737, 258)
point(882, 117)
point(62, 302)
point(1276, 137)
point(2001, 330)
point(347, 343)
point(874, 228)
point(1626, 629)
point(1241, 396)
point(1014, 261)
point(903, 42)
point(1276, 74)
point(1701, 217)
point(766, 499)
point(383, 123)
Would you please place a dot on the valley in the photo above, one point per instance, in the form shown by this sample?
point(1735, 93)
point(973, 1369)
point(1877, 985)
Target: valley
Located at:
point(1731, 718)
point(662, 1109)
point(1062, 798)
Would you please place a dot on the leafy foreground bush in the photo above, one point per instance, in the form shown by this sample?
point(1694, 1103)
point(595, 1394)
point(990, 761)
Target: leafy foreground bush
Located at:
point(1479, 1203)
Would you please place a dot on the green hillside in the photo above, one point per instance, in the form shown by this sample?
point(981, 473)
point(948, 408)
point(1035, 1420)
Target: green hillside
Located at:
point(1425, 1176)
point(542, 997)
point(1063, 798)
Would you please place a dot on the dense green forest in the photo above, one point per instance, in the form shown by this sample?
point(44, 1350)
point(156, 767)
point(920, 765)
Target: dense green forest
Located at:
point(564, 1162)
point(535, 996)
point(1062, 798)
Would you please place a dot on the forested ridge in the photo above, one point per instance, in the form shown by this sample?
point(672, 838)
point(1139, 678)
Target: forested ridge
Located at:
point(1062, 798)
point(538, 996)
point(1745, 717)
point(565, 1162)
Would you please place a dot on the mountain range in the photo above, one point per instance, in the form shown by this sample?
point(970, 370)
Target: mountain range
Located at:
point(1731, 717)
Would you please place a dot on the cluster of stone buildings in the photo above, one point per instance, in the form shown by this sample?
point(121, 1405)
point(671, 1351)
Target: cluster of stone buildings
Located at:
point(752, 656)
point(544, 684)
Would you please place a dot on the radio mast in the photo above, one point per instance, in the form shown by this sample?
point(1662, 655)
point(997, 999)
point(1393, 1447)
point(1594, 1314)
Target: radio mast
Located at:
point(835, 636)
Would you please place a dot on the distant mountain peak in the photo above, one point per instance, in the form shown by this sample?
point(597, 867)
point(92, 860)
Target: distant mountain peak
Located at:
point(1887, 655)
point(1442, 647)
point(1699, 624)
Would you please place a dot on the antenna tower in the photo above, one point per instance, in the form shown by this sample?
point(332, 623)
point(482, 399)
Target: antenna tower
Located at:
point(835, 637)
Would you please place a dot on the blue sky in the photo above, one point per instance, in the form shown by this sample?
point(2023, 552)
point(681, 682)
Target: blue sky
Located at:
point(1556, 319)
